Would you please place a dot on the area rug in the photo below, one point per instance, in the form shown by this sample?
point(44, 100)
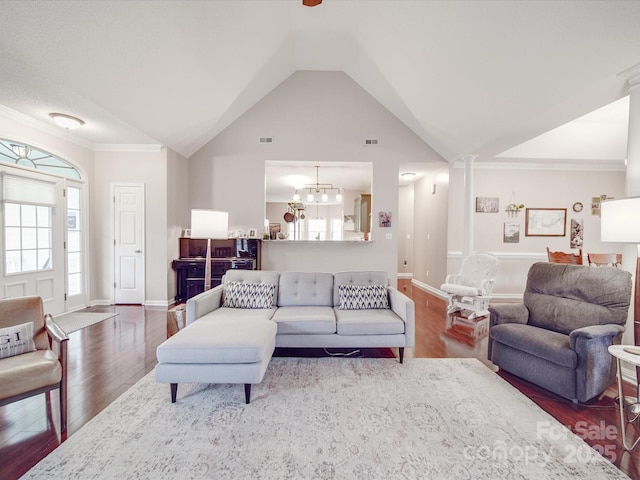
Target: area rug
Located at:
point(330, 418)
point(71, 322)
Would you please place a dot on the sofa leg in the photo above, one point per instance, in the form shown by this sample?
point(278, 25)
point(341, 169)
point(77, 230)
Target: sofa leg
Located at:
point(401, 353)
point(174, 392)
point(247, 393)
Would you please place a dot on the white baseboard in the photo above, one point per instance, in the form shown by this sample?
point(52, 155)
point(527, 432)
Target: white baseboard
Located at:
point(405, 275)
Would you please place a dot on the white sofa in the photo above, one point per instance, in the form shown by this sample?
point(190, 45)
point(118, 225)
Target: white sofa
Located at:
point(229, 333)
point(306, 310)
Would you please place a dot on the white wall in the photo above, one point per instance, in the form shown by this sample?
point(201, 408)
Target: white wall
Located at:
point(149, 168)
point(535, 188)
point(312, 116)
point(430, 227)
point(178, 213)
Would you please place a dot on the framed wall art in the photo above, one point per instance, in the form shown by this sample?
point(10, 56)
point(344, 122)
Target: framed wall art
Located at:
point(487, 204)
point(546, 222)
point(511, 232)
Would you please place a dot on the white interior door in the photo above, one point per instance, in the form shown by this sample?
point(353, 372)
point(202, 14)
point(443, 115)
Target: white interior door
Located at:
point(128, 243)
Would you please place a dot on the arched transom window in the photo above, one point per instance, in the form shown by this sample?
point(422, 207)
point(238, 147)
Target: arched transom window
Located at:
point(14, 153)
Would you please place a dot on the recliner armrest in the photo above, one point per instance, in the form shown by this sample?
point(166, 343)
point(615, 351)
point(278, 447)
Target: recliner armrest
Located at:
point(509, 313)
point(594, 331)
point(203, 303)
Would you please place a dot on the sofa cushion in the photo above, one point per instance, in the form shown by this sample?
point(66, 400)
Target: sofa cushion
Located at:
point(357, 278)
point(547, 344)
point(224, 340)
point(368, 322)
point(249, 295)
point(16, 340)
point(240, 314)
point(305, 320)
point(361, 297)
point(305, 289)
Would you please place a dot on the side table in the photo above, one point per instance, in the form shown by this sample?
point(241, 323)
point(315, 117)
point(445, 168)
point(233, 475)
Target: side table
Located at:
point(622, 354)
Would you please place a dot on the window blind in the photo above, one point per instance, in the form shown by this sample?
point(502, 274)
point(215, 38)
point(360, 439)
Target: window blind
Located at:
point(25, 190)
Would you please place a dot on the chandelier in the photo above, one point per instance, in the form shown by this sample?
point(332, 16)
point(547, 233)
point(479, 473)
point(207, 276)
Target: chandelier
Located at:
point(318, 191)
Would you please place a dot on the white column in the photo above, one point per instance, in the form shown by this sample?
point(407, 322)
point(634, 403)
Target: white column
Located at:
point(633, 142)
point(632, 189)
point(469, 206)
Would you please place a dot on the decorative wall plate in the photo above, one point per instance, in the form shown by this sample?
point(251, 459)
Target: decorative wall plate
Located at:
point(577, 207)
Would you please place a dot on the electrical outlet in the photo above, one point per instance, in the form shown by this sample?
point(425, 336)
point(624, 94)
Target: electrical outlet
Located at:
point(427, 273)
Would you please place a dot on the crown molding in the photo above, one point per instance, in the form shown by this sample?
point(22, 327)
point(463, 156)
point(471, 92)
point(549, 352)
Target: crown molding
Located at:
point(124, 147)
point(544, 164)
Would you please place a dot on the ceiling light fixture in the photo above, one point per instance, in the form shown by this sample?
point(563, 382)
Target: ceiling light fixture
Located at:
point(66, 121)
point(408, 176)
point(317, 187)
point(311, 3)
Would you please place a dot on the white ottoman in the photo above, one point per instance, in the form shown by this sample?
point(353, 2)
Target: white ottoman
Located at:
point(217, 351)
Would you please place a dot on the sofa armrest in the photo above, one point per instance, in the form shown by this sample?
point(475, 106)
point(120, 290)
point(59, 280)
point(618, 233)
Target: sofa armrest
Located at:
point(203, 303)
point(594, 332)
point(509, 313)
point(405, 308)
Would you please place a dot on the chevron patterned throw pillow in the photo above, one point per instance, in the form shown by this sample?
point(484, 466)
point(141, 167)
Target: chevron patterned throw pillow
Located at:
point(362, 297)
point(249, 295)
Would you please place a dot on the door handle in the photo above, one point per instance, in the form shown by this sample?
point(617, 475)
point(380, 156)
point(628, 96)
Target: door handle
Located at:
point(138, 251)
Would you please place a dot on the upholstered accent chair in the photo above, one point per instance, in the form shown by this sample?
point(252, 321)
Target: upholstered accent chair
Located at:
point(471, 288)
point(559, 336)
point(32, 367)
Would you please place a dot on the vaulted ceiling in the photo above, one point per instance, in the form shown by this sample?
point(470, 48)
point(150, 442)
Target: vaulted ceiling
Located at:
point(468, 77)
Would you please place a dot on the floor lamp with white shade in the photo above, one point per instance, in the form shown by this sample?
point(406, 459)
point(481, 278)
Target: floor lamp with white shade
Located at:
point(209, 224)
point(620, 222)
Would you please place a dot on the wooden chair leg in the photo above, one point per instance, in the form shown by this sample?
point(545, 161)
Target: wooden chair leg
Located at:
point(63, 406)
point(247, 393)
point(174, 392)
point(401, 353)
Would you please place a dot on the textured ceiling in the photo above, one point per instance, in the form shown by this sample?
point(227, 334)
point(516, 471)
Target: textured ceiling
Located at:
point(468, 77)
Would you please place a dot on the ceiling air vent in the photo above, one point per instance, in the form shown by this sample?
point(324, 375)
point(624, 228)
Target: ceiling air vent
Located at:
point(266, 140)
point(370, 141)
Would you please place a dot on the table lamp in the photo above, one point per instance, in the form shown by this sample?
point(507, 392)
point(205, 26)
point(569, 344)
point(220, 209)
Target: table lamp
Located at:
point(620, 222)
point(209, 224)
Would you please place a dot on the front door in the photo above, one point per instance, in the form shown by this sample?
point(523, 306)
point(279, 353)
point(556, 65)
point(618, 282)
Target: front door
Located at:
point(128, 243)
point(33, 237)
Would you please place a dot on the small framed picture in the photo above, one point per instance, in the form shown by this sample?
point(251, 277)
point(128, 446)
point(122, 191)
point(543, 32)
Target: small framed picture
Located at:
point(487, 204)
point(385, 219)
point(511, 232)
point(252, 233)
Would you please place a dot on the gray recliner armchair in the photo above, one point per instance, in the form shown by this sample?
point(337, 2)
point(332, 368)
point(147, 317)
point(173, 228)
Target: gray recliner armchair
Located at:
point(559, 336)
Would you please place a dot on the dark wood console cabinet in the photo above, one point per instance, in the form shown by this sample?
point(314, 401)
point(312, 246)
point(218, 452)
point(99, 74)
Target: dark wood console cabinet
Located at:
point(236, 253)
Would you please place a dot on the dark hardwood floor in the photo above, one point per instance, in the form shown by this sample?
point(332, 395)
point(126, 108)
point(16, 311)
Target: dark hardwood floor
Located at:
point(108, 358)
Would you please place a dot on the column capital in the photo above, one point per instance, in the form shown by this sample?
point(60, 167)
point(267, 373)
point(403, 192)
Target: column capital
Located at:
point(632, 74)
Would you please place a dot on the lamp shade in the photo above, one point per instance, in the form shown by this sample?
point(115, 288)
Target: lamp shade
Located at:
point(619, 220)
point(209, 224)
